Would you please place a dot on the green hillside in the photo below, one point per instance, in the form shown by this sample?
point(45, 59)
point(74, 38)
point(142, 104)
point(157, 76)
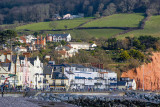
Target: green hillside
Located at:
point(60, 24)
point(90, 33)
point(152, 28)
point(117, 20)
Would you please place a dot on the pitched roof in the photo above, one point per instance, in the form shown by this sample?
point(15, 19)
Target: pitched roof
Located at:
point(59, 35)
point(78, 66)
point(32, 60)
point(14, 58)
point(64, 47)
point(69, 72)
point(23, 38)
point(58, 75)
point(62, 52)
point(47, 70)
point(79, 43)
point(6, 65)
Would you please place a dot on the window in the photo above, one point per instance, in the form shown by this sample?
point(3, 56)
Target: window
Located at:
point(49, 76)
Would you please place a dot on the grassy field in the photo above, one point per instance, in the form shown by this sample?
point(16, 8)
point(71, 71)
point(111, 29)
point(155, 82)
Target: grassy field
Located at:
point(107, 33)
point(152, 28)
point(117, 20)
point(60, 24)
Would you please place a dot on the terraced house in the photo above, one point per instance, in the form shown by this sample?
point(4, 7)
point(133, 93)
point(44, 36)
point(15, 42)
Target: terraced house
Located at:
point(28, 71)
point(58, 37)
point(79, 77)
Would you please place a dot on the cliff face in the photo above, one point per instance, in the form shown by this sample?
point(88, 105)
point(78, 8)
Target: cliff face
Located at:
point(151, 74)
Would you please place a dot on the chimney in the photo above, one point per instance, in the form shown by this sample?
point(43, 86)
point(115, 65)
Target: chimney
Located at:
point(37, 39)
point(41, 37)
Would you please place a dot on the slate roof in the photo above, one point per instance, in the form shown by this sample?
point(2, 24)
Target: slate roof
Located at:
point(97, 83)
point(64, 47)
point(61, 65)
point(32, 60)
point(79, 77)
point(69, 72)
point(112, 79)
point(78, 66)
point(113, 84)
point(21, 57)
point(47, 70)
point(6, 65)
point(58, 75)
point(14, 58)
point(59, 35)
point(121, 83)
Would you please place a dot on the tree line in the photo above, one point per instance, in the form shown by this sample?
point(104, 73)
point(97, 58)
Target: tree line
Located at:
point(24, 11)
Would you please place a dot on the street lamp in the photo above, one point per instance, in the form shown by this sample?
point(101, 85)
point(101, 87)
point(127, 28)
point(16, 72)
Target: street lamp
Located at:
point(36, 79)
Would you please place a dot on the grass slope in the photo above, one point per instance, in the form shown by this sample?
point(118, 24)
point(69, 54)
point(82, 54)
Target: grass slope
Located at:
point(60, 24)
point(152, 28)
point(87, 33)
point(117, 20)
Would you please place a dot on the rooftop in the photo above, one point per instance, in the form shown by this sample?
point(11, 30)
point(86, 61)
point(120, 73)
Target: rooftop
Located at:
point(59, 35)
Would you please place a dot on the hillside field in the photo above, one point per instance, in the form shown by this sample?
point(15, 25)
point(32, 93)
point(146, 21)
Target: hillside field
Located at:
point(60, 24)
point(152, 28)
point(117, 20)
point(107, 33)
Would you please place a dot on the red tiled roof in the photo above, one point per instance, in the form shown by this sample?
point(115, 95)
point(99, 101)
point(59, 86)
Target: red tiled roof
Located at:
point(23, 38)
point(69, 46)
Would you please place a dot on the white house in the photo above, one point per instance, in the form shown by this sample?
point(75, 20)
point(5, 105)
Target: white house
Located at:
point(30, 38)
point(66, 51)
point(58, 37)
point(81, 77)
point(79, 45)
point(29, 72)
point(67, 16)
point(20, 49)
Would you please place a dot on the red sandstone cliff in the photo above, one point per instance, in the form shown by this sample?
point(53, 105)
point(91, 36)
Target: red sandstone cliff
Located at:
point(151, 74)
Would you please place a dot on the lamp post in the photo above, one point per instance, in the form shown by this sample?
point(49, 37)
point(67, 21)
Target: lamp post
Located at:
point(36, 79)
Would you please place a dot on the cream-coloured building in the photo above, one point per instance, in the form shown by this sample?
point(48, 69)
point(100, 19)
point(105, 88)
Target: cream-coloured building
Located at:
point(79, 45)
point(60, 81)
